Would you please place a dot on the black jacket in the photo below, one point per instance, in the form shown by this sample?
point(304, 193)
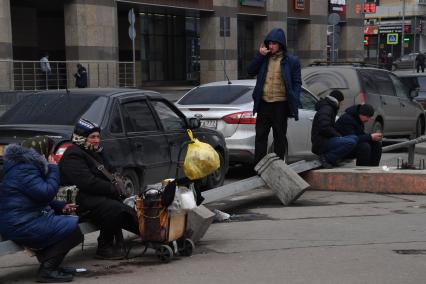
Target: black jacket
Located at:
point(349, 124)
point(81, 77)
point(78, 169)
point(323, 126)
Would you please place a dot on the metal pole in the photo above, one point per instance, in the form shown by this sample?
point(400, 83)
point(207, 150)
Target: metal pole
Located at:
point(414, 41)
point(403, 26)
point(134, 63)
point(378, 43)
point(332, 44)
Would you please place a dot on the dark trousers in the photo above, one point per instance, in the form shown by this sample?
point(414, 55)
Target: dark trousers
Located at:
point(271, 115)
point(367, 153)
point(111, 216)
point(422, 66)
point(339, 148)
point(62, 247)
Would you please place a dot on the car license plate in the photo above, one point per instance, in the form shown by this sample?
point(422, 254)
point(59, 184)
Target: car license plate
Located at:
point(209, 123)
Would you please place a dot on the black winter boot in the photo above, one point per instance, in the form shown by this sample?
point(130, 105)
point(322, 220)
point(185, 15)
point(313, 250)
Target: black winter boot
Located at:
point(49, 271)
point(108, 251)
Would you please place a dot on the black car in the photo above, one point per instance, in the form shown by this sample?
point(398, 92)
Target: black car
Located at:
point(141, 134)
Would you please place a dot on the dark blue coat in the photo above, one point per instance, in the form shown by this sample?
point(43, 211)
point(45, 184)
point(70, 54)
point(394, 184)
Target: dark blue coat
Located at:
point(27, 208)
point(350, 124)
point(290, 72)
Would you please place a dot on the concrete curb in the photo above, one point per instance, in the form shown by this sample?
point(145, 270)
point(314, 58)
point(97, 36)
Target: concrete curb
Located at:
point(365, 179)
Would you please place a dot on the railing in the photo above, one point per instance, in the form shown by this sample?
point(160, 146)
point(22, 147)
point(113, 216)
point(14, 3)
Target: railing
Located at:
point(411, 145)
point(27, 75)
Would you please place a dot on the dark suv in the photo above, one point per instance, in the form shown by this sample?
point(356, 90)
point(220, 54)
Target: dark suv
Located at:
point(141, 132)
point(396, 111)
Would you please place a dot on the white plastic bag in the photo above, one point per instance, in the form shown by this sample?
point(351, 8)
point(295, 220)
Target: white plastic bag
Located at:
point(184, 199)
point(187, 198)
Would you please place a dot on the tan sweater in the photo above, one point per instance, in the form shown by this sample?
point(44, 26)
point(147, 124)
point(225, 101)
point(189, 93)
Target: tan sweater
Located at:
point(274, 88)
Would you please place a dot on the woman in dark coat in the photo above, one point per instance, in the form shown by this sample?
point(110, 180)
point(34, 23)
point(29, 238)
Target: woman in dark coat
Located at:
point(98, 199)
point(28, 209)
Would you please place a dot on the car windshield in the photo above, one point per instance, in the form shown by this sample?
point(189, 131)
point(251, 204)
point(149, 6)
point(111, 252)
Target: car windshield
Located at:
point(52, 109)
point(220, 95)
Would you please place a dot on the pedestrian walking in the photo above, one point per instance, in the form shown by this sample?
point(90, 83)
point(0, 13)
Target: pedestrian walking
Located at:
point(29, 214)
point(389, 62)
point(420, 62)
point(276, 95)
point(45, 69)
point(368, 149)
point(327, 142)
point(81, 76)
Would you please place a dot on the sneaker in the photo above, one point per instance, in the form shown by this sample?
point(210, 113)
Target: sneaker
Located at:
point(325, 164)
point(220, 216)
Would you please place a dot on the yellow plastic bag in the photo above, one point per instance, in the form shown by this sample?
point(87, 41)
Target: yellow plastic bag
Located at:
point(201, 159)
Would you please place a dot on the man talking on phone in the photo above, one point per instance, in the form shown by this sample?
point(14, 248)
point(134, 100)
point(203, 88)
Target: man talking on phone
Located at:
point(276, 95)
point(368, 150)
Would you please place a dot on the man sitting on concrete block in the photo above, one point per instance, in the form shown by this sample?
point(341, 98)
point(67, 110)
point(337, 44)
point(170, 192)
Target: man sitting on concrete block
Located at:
point(368, 149)
point(328, 143)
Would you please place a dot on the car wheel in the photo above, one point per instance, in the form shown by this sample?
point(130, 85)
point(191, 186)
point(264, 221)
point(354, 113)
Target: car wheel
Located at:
point(215, 179)
point(131, 181)
point(377, 127)
point(419, 127)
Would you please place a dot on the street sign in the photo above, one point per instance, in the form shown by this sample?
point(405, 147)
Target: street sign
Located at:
point(392, 38)
point(131, 17)
point(132, 32)
point(333, 19)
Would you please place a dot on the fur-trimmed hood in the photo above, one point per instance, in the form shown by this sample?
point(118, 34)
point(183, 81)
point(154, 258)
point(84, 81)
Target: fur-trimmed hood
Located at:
point(16, 154)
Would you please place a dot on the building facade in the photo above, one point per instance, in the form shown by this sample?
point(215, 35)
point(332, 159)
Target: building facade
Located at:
point(175, 41)
point(394, 26)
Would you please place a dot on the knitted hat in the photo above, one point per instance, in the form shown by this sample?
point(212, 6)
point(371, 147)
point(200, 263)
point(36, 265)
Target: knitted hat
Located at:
point(41, 144)
point(337, 95)
point(84, 128)
point(366, 110)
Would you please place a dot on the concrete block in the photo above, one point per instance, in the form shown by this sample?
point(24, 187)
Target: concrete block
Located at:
point(283, 180)
point(368, 179)
point(199, 220)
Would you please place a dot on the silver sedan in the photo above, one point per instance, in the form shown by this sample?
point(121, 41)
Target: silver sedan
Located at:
point(228, 108)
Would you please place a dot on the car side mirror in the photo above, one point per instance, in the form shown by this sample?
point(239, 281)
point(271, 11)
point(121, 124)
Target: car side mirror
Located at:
point(414, 93)
point(194, 123)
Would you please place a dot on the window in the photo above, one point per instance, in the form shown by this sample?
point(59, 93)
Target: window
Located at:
point(307, 101)
point(168, 117)
point(56, 109)
point(402, 90)
point(368, 83)
point(115, 125)
point(383, 82)
point(138, 117)
point(219, 95)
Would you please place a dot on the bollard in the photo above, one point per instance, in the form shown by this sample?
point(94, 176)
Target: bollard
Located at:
point(284, 181)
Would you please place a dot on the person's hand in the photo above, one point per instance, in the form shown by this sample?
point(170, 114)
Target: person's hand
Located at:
point(377, 136)
point(69, 208)
point(263, 50)
point(51, 160)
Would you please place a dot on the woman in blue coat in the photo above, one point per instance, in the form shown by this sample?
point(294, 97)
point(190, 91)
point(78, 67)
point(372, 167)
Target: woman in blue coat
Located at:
point(29, 215)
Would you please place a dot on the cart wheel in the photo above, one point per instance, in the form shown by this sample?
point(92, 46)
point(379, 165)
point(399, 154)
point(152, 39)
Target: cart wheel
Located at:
point(187, 248)
point(164, 253)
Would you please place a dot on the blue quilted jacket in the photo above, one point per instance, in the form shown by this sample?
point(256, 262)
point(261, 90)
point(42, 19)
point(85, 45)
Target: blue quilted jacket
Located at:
point(27, 208)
